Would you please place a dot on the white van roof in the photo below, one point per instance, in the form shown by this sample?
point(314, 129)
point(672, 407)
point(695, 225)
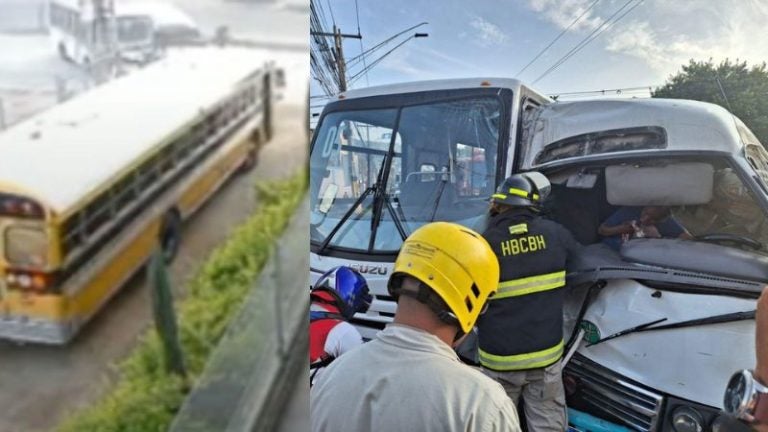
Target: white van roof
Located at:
point(74, 149)
point(689, 125)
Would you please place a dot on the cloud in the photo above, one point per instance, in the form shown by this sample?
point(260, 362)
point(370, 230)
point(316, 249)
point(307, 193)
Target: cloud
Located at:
point(665, 35)
point(677, 35)
point(639, 40)
point(419, 62)
point(563, 12)
point(488, 33)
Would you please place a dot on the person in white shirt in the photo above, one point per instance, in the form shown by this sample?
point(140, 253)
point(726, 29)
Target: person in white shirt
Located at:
point(409, 378)
point(335, 298)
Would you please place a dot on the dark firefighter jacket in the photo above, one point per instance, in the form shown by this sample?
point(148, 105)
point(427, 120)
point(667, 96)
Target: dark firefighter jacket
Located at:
point(523, 326)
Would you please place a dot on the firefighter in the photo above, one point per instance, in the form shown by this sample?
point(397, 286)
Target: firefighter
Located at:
point(330, 335)
point(409, 378)
point(520, 338)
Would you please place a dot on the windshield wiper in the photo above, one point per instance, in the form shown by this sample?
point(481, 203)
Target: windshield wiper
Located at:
point(715, 319)
point(630, 330)
point(344, 218)
point(396, 217)
point(440, 189)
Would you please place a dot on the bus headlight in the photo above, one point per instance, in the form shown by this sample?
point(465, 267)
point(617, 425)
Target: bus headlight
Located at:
point(687, 419)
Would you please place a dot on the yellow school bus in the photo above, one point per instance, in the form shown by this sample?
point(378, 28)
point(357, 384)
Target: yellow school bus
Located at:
point(91, 187)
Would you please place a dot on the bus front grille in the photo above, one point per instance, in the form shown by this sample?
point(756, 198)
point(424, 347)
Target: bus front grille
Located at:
point(614, 396)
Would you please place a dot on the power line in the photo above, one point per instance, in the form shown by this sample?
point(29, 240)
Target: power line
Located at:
point(362, 56)
point(556, 39)
point(378, 60)
point(362, 50)
point(605, 26)
point(331, 10)
point(322, 56)
point(584, 42)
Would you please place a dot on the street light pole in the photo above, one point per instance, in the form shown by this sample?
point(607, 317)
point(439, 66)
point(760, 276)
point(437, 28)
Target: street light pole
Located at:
point(375, 62)
point(105, 59)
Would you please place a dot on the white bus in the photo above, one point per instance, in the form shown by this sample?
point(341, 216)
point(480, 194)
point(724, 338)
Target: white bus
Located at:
point(91, 187)
point(452, 141)
point(74, 31)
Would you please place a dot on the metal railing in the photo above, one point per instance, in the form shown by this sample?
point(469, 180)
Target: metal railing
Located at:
point(245, 383)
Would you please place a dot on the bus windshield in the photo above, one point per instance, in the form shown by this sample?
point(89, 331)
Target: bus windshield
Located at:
point(376, 175)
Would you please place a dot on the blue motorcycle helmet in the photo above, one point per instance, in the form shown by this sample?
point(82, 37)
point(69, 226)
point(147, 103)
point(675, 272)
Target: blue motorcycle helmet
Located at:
point(348, 288)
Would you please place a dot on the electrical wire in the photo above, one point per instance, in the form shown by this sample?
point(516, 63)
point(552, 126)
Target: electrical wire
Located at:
point(362, 50)
point(322, 60)
point(605, 26)
point(556, 39)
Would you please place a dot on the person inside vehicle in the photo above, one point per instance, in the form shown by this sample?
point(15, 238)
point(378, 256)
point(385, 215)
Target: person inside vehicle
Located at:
point(409, 378)
point(332, 304)
point(520, 338)
point(638, 222)
point(731, 211)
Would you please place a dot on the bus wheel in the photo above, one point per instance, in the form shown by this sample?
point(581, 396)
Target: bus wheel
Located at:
point(170, 235)
point(63, 52)
point(252, 157)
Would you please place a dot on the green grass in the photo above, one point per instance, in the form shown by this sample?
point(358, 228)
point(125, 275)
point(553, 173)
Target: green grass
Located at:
point(146, 398)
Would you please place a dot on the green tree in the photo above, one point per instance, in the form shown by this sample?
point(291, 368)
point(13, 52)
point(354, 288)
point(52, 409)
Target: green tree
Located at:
point(741, 89)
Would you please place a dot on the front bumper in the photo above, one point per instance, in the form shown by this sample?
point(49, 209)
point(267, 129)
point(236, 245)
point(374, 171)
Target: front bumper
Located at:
point(23, 329)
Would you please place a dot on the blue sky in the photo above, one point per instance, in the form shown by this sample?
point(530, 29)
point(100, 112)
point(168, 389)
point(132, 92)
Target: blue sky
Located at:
point(499, 37)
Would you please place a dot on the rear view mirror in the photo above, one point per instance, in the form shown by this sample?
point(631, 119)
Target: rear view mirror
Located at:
point(328, 197)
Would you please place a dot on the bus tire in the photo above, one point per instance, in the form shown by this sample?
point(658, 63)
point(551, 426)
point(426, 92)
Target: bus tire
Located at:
point(63, 53)
point(170, 235)
point(252, 157)
point(267, 125)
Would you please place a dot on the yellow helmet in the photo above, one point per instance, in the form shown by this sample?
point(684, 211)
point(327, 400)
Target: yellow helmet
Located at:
point(455, 263)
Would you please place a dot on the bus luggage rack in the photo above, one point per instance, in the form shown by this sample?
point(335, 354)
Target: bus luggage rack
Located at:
point(613, 395)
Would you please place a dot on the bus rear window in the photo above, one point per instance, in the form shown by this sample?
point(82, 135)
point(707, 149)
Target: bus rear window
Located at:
point(610, 141)
point(26, 246)
point(20, 207)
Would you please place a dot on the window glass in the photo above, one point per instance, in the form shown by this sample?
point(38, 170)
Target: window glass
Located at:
point(26, 246)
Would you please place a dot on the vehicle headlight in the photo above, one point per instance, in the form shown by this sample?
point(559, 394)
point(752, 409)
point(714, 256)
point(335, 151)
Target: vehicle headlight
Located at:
point(687, 419)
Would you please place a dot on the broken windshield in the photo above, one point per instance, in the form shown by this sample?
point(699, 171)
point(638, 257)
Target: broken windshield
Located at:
point(377, 175)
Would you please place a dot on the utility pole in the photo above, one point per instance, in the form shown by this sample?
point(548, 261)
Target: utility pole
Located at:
point(106, 57)
point(340, 63)
point(338, 54)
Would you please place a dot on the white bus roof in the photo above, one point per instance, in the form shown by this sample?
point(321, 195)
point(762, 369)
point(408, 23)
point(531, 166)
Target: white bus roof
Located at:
point(73, 150)
point(443, 84)
point(689, 125)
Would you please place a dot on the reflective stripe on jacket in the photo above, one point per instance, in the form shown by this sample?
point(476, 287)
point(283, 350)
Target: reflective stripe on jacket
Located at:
point(522, 328)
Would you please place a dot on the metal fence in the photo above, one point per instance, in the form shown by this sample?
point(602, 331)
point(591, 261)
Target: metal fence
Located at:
point(264, 348)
